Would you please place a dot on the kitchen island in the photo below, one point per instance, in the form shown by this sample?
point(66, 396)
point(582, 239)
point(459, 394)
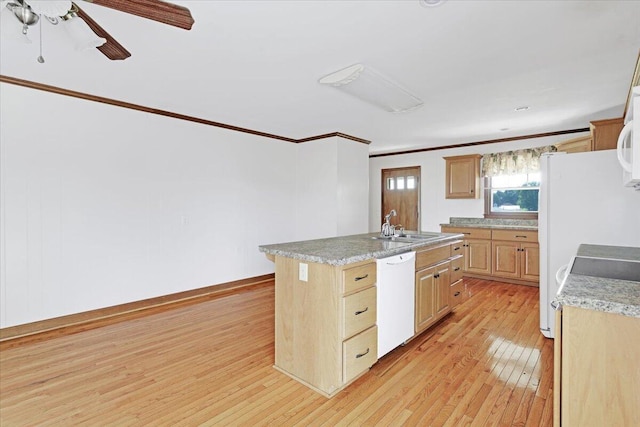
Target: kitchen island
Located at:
point(597, 342)
point(326, 297)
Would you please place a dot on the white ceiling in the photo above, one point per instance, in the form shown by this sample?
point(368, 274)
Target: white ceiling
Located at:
point(255, 64)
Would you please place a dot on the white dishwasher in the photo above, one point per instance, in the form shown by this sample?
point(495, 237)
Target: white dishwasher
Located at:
point(396, 300)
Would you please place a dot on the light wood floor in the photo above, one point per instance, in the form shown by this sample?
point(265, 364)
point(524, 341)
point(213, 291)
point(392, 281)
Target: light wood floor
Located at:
point(210, 363)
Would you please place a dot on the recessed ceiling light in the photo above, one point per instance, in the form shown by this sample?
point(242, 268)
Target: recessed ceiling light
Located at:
point(523, 108)
point(431, 3)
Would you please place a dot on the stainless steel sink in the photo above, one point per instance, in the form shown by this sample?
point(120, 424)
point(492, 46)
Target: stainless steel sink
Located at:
point(607, 268)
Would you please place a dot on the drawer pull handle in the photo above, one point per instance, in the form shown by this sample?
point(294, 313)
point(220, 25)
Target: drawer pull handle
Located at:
point(361, 277)
point(358, 356)
point(456, 294)
point(361, 311)
point(521, 237)
point(436, 276)
point(456, 269)
point(456, 248)
point(466, 232)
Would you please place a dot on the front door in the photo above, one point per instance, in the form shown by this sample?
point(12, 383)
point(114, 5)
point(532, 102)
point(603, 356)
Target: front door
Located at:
point(401, 191)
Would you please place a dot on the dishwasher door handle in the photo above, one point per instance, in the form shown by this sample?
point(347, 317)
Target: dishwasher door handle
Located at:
point(404, 261)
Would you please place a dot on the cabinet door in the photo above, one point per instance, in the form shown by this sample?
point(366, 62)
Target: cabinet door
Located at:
point(600, 376)
point(605, 133)
point(441, 289)
point(575, 145)
point(530, 261)
point(425, 313)
point(463, 177)
point(477, 256)
point(506, 259)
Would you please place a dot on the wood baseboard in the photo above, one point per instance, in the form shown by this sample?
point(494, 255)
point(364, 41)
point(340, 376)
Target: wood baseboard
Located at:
point(74, 323)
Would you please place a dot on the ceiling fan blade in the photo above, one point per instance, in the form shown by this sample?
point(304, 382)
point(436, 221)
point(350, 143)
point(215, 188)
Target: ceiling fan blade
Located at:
point(156, 10)
point(111, 49)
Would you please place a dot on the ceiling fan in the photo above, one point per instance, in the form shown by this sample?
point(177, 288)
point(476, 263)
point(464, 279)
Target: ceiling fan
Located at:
point(28, 13)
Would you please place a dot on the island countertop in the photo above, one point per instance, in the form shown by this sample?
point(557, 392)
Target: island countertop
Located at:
point(350, 249)
point(603, 294)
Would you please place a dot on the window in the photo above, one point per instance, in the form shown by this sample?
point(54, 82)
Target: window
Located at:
point(512, 183)
point(512, 195)
point(401, 183)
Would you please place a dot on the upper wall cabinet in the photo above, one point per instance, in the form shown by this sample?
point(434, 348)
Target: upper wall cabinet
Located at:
point(576, 145)
point(605, 133)
point(463, 177)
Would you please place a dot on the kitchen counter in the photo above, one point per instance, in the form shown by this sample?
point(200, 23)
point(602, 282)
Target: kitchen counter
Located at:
point(509, 224)
point(603, 294)
point(350, 249)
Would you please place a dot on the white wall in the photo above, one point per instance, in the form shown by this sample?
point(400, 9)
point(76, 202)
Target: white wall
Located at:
point(332, 188)
point(353, 187)
point(102, 205)
point(435, 209)
point(316, 181)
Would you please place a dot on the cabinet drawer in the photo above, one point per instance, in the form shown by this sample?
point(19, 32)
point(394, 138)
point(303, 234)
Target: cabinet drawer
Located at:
point(456, 248)
point(359, 311)
point(516, 235)
point(359, 353)
point(432, 256)
point(358, 277)
point(457, 293)
point(457, 264)
point(469, 233)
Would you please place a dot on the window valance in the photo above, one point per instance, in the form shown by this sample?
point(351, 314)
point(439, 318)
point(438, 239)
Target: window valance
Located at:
point(514, 162)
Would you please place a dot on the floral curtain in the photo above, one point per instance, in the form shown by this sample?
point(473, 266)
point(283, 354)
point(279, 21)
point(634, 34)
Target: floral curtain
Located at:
point(514, 162)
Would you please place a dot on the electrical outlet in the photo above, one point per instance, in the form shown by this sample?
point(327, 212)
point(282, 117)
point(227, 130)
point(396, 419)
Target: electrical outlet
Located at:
point(303, 272)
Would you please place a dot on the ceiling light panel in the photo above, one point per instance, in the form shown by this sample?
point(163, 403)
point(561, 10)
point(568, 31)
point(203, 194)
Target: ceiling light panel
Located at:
point(370, 86)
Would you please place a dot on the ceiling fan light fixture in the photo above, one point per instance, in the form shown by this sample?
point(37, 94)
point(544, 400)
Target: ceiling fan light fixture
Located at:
point(50, 8)
point(83, 37)
point(25, 15)
point(370, 86)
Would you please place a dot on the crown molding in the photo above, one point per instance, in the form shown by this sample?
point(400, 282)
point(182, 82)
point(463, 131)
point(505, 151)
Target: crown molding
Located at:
point(150, 110)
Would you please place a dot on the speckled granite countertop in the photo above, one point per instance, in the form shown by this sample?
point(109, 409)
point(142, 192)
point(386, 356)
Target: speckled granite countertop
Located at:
point(602, 294)
point(513, 224)
point(350, 249)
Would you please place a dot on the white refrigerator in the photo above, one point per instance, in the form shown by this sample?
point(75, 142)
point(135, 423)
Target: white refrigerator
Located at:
point(582, 200)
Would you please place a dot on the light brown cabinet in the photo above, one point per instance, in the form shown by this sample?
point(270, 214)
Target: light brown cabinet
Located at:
point(512, 255)
point(515, 254)
point(477, 256)
point(432, 295)
point(576, 145)
point(438, 285)
point(457, 291)
point(515, 260)
point(596, 371)
point(476, 248)
point(463, 177)
point(605, 133)
point(325, 327)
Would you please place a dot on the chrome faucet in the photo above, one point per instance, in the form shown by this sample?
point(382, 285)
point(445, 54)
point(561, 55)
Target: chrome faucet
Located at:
point(387, 228)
